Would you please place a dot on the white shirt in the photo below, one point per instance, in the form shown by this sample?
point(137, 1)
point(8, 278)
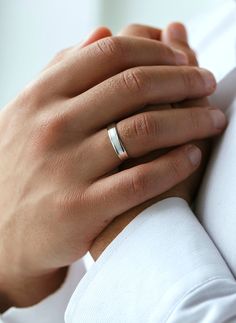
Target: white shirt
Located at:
point(164, 267)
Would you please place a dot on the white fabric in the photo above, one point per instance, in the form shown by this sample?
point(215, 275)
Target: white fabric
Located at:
point(216, 207)
point(157, 270)
point(213, 36)
point(163, 267)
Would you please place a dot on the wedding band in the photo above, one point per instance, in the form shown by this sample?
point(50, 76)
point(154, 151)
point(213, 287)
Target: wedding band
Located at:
point(116, 142)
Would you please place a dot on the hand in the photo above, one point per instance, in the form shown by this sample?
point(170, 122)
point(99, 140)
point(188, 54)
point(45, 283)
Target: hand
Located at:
point(176, 37)
point(58, 181)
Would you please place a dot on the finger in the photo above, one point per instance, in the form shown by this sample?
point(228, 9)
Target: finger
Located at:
point(149, 131)
point(168, 36)
point(128, 92)
point(97, 34)
point(131, 187)
point(86, 67)
point(141, 31)
point(175, 35)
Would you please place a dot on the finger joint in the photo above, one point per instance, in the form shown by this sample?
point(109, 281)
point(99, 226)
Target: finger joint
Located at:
point(134, 80)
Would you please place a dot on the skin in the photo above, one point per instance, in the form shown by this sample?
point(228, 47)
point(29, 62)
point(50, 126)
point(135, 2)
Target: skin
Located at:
point(175, 35)
point(55, 200)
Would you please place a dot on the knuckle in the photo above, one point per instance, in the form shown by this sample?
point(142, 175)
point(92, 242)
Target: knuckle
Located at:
point(175, 168)
point(111, 47)
point(56, 124)
point(191, 77)
point(67, 203)
point(134, 80)
point(138, 185)
point(144, 125)
point(31, 97)
point(50, 130)
point(193, 119)
point(187, 78)
point(38, 93)
point(23, 99)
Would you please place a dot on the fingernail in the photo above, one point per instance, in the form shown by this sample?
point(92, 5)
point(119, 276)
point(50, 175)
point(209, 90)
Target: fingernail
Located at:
point(209, 80)
point(178, 32)
point(194, 154)
point(181, 57)
point(218, 118)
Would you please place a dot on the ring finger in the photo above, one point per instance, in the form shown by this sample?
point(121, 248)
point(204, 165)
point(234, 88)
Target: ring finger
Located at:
point(149, 131)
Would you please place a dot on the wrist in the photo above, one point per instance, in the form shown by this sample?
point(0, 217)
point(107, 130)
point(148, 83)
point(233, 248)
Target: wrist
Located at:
point(116, 226)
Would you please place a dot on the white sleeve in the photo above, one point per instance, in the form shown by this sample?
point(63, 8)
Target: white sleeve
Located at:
point(162, 268)
point(51, 309)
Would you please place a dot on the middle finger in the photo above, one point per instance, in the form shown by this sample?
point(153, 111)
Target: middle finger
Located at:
point(130, 91)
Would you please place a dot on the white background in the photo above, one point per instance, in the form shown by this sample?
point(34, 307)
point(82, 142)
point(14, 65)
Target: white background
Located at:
point(32, 31)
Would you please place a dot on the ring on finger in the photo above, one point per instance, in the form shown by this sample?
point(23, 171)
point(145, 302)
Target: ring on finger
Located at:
point(116, 142)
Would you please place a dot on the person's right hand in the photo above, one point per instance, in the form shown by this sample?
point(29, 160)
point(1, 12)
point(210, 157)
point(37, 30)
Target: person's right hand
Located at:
point(58, 181)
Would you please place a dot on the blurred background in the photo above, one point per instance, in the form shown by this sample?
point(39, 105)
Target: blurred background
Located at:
point(33, 31)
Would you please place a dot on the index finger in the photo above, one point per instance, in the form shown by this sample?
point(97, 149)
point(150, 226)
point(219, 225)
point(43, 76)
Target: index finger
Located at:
point(93, 64)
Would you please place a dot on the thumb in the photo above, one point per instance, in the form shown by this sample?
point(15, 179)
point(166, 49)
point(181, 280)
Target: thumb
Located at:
point(176, 36)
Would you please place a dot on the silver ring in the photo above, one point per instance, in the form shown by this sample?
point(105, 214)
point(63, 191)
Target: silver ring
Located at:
point(116, 142)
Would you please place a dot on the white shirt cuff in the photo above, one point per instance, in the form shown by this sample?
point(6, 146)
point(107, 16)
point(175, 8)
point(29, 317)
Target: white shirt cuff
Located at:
point(160, 256)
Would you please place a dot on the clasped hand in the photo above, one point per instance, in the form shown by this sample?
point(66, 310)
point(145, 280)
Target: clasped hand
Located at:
point(60, 180)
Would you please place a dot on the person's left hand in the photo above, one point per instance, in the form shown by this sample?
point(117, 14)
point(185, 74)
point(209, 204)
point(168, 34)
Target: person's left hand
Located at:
point(176, 37)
